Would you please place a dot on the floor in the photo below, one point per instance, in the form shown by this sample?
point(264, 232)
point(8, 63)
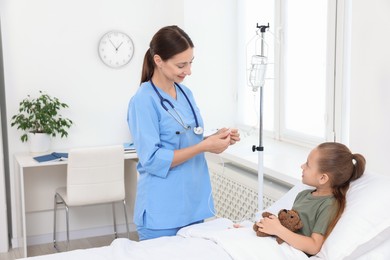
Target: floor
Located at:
point(45, 249)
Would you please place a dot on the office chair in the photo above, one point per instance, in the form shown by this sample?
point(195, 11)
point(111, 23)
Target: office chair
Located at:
point(94, 176)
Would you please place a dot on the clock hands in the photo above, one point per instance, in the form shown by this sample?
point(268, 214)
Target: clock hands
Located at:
point(119, 46)
point(116, 48)
point(113, 45)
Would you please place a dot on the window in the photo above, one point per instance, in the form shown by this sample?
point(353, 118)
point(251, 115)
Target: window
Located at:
point(298, 93)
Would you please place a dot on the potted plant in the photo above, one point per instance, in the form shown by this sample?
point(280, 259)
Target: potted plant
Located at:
point(39, 118)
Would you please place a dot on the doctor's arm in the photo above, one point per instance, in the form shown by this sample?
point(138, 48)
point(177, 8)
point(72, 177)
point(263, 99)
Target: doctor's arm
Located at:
point(216, 143)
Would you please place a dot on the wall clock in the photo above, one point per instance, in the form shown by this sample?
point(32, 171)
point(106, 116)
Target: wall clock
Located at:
point(115, 49)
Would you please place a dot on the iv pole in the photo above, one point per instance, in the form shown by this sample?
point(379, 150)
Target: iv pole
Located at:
point(259, 63)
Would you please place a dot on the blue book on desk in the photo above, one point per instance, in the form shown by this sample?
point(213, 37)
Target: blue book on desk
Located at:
point(52, 157)
point(129, 147)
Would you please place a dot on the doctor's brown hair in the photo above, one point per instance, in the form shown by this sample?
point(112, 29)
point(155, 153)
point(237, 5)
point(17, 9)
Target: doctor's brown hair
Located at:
point(342, 167)
point(166, 43)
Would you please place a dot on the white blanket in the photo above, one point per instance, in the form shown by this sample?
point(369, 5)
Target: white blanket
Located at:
point(172, 248)
point(212, 240)
point(241, 243)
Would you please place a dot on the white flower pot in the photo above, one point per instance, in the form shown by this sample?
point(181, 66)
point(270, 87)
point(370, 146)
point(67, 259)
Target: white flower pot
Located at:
point(39, 142)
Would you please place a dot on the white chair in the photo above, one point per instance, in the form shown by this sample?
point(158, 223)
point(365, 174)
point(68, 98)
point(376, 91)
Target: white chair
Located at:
point(94, 176)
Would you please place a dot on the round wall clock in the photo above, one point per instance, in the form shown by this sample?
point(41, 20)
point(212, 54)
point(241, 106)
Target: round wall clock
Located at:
point(115, 49)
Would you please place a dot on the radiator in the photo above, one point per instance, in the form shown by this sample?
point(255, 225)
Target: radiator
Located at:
point(235, 190)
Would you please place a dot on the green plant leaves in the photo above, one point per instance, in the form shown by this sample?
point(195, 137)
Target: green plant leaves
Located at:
point(41, 115)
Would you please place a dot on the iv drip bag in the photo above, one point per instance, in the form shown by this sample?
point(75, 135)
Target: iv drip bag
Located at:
point(257, 71)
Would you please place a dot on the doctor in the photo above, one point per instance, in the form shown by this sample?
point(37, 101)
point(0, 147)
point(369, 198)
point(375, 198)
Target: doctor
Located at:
point(167, 129)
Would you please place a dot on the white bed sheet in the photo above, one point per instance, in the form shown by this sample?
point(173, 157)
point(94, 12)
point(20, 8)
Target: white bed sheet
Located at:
point(212, 240)
point(218, 240)
point(241, 243)
point(162, 248)
point(209, 241)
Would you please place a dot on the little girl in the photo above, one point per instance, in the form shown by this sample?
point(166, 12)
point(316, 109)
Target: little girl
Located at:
point(330, 168)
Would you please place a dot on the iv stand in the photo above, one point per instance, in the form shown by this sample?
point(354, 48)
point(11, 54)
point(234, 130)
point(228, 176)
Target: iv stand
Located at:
point(260, 148)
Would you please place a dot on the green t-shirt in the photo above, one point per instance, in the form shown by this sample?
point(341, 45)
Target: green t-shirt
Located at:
point(314, 211)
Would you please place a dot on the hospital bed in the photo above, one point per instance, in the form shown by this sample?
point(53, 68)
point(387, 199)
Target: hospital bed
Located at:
point(362, 233)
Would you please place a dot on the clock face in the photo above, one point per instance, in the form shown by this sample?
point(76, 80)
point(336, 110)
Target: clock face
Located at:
point(116, 49)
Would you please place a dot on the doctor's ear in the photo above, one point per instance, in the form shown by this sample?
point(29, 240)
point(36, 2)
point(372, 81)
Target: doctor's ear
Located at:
point(157, 59)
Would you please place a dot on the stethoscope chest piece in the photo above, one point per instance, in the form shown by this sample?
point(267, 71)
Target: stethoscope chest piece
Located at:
point(198, 130)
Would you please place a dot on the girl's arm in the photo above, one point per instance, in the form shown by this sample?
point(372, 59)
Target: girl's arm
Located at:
point(310, 245)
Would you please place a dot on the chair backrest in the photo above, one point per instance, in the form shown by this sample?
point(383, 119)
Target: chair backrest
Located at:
point(95, 175)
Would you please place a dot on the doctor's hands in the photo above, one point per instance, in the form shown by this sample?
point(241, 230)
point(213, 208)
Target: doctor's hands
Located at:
point(220, 141)
point(234, 134)
point(215, 143)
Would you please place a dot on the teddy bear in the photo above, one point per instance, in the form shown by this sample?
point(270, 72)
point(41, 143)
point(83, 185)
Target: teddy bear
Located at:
point(288, 218)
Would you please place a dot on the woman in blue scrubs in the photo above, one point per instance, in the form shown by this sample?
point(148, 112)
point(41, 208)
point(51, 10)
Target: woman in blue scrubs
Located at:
point(167, 129)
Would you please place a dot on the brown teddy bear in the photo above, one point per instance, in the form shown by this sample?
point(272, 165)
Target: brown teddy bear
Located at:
point(288, 218)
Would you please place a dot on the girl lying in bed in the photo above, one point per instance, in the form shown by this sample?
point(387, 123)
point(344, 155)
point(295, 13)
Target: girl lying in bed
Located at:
point(330, 168)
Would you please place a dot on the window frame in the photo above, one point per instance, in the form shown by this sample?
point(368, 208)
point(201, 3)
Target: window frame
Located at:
point(334, 79)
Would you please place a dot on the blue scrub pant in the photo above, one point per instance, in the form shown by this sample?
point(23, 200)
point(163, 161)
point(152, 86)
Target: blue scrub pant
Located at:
point(147, 233)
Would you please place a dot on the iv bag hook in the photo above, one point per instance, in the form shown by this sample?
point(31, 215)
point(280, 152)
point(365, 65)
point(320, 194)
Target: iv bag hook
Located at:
point(262, 30)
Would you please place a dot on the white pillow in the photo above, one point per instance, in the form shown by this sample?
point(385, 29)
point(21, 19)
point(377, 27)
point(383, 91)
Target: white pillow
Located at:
point(365, 223)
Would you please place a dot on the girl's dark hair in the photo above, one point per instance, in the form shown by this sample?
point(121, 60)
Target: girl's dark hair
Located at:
point(342, 167)
point(166, 43)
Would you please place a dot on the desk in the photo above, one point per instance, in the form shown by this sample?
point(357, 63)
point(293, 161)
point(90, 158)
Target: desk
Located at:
point(25, 164)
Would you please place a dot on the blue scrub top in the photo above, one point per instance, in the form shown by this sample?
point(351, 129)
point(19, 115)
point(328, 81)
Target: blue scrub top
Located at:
point(167, 197)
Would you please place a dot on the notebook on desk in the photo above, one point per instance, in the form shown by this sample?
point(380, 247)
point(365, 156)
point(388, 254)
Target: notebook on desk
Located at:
point(129, 147)
point(52, 157)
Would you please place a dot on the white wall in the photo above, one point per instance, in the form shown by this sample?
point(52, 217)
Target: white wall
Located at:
point(212, 26)
point(51, 45)
point(369, 129)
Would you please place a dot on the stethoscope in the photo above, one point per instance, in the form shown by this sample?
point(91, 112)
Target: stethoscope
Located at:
point(197, 129)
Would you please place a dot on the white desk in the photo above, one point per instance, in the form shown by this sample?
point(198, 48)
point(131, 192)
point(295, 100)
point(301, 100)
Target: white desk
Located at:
point(24, 164)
